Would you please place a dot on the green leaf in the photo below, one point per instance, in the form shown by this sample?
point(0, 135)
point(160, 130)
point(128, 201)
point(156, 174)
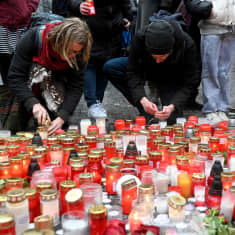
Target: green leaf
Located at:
point(149, 233)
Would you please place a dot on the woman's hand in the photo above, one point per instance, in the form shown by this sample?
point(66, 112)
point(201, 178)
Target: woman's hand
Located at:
point(166, 112)
point(55, 125)
point(84, 8)
point(40, 113)
point(148, 106)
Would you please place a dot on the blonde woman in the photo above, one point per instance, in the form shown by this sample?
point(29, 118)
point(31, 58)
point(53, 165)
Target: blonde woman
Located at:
point(47, 70)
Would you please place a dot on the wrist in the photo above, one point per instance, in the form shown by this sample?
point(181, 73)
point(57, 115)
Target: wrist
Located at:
point(143, 100)
point(172, 107)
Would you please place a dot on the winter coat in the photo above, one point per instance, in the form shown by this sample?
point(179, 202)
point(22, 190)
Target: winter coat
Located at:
point(59, 7)
point(18, 76)
point(17, 13)
point(106, 26)
point(181, 70)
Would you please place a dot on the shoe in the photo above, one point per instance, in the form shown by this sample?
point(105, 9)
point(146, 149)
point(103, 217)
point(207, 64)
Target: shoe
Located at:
point(213, 118)
point(193, 105)
point(223, 116)
point(97, 111)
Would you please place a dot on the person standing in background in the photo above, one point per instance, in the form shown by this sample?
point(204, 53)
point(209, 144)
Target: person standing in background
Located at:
point(106, 24)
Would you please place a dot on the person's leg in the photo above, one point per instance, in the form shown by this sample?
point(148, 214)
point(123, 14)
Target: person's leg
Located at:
point(101, 83)
point(90, 85)
point(225, 62)
point(5, 61)
point(146, 8)
point(210, 52)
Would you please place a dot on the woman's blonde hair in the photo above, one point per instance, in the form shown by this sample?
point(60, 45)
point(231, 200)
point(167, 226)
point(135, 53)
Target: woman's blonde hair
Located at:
point(71, 30)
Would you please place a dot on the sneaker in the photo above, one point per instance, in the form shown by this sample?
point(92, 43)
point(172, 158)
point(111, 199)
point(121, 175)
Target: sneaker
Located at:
point(97, 111)
point(223, 116)
point(213, 118)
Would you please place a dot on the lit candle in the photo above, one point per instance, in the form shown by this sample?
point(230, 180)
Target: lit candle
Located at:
point(16, 166)
point(42, 131)
point(3, 155)
point(185, 183)
point(84, 125)
point(100, 122)
point(134, 221)
point(176, 208)
point(129, 194)
point(56, 153)
point(26, 161)
point(112, 176)
point(227, 179)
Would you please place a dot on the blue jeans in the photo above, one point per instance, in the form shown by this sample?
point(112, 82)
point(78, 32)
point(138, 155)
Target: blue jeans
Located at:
point(217, 52)
point(95, 84)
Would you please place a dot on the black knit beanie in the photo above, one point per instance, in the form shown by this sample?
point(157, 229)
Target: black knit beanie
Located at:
point(159, 38)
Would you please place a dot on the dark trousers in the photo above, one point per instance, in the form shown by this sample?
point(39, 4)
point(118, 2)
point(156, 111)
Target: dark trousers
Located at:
point(5, 61)
point(115, 70)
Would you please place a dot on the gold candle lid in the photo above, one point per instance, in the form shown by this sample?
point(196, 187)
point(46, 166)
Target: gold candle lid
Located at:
point(15, 195)
point(32, 232)
point(159, 139)
point(40, 150)
point(76, 159)
point(6, 221)
point(15, 160)
point(30, 193)
point(24, 155)
point(42, 128)
point(67, 185)
point(82, 147)
point(68, 149)
point(112, 167)
point(3, 152)
point(155, 154)
point(56, 147)
point(67, 140)
point(144, 132)
point(155, 132)
point(164, 146)
point(44, 222)
point(116, 160)
point(13, 181)
point(141, 160)
point(96, 151)
point(74, 195)
point(48, 194)
point(214, 139)
point(129, 162)
point(90, 139)
point(85, 177)
point(227, 176)
point(12, 147)
point(177, 201)
point(98, 212)
point(129, 184)
point(182, 160)
point(52, 140)
point(43, 185)
point(94, 157)
point(146, 189)
point(5, 165)
point(198, 176)
point(195, 140)
point(109, 143)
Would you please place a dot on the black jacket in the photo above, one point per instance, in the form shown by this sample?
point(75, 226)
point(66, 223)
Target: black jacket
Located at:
point(106, 26)
point(181, 70)
point(199, 9)
point(18, 76)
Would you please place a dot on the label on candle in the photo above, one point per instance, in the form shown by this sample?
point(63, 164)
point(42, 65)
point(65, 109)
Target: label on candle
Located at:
point(222, 140)
point(151, 163)
point(167, 138)
point(24, 219)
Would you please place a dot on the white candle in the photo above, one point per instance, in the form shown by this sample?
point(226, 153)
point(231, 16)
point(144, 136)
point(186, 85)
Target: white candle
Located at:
point(162, 183)
point(75, 227)
point(161, 203)
point(100, 123)
point(232, 163)
point(57, 155)
point(84, 125)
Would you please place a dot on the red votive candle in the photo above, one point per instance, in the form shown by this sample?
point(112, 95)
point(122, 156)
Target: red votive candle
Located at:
point(129, 194)
point(16, 166)
point(74, 200)
point(93, 130)
point(91, 141)
point(198, 179)
point(110, 147)
point(112, 176)
point(97, 219)
point(154, 158)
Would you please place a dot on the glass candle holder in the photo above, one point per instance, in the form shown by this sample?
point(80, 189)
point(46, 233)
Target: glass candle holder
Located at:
point(182, 162)
point(52, 140)
point(66, 153)
point(154, 133)
point(112, 176)
point(5, 170)
point(44, 222)
point(172, 153)
point(7, 224)
point(17, 205)
point(56, 153)
point(232, 163)
point(158, 140)
point(193, 144)
point(75, 222)
point(50, 204)
point(128, 163)
point(25, 161)
point(41, 186)
point(146, 194)
point(34, 203)
point(198, 179)
point(13, 140)
point(185, 182)
point(97, 219)
point(95, 167)
point(154, 158)
point(77, 168)
point(30, 149)
point(150, 177)
point(176, 205)
point(205, 137)
point(44, 177)
point(65, 186)
point(74, 200)
point(110, 147)
point(91, 141)
point(92, 194)
point(161, 203)
point(86, 178)
point(214, 144)
point(128, 171)
point(100, 122)
point(141, 164)
point(67, 142)
point(199, 192)
point(162, 183)
point(14, 183)
point(227, 180)
point(3, 155)
point(42, 131)
point(163, 148)
point(230, 152)
point(129, 194)
point(16, 166)
point(42, 150)
point(13, 150)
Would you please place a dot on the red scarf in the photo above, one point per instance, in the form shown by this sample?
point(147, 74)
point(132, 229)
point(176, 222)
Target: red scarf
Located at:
point(47, 56)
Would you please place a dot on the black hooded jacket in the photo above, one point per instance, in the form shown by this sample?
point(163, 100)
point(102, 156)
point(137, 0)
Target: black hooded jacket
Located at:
point(181, 70)
point(106, 26)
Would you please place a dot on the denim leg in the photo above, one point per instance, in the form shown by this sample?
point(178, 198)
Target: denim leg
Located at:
point(101, 83)
point(115, 70)
point(90, 85)
point(225, 62)
point(210, 53)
